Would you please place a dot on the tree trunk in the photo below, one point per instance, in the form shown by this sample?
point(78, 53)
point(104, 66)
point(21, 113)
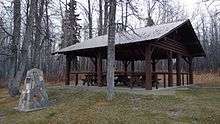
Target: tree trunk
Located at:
point(111, 51)
point(28, 38)
point(106, 13)
point(16, 32)
point(13, 84)
point(100, 18)
point(38, 34)
point(126, 15)
point(90, 20)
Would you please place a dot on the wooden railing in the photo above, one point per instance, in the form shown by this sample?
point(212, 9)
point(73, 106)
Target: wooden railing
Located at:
point(162, 76)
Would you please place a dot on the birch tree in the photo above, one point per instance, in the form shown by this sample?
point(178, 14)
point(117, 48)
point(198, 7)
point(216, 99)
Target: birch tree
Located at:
point(106, 14)
point(111, 50)
point(13, 84)
point(90, 19)
point(100, 18)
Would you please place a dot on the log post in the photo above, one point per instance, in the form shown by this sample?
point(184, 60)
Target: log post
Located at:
point(164, 80)
point(178, 75)
point(148, 68)
point(183, 83)
point(132, 66)
point(77, 79)
point(154, 75)
point(170, 69)
point(190, 70)
point(68, 65)
point(99, 69)
point(153, 65)
point(76, 69)
point(187, 79)
point(95, 63)
point(125, 63)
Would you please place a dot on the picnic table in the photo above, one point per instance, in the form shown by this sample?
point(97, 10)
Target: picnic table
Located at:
point(121, 79)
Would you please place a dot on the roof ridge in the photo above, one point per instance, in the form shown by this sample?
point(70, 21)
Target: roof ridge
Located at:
point(162, 24)
point(131, 30)
point(131, 36)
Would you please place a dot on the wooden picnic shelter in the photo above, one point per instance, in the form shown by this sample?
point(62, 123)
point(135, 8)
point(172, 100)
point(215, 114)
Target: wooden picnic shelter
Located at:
point(169, 41)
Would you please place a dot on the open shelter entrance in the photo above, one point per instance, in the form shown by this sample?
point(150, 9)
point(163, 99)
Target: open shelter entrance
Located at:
point(149, 44)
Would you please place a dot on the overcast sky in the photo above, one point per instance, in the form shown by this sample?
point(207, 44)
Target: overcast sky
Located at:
point(189, 4)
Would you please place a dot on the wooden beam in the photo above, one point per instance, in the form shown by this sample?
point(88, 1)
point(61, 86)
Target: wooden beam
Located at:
point(172, 45)
point(190, 70)
point(170, 48)
point(176, 43)
point(178, 75)
point(170, 69)
point(148, 69)
point(68, 65)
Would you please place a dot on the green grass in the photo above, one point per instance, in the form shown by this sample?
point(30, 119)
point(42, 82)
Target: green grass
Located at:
point(86, 107)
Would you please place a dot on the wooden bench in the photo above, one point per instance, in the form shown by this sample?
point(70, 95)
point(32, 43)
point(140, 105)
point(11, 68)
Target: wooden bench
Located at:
point(156, 82)
point(121, 79)
point(135, 79)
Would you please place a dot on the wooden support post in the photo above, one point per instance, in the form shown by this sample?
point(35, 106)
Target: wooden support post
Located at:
point(132, 66)
point(153, 65)
point(154, 76)
point(77, 79)
point(187, 79)
point(164, 80)
point(76, 69)
point(190, 70)
point(183, 83)
point(95, 63)
point(125, 63)
point(99, 69)
point(178, 75)
point(68, 65)
point(148, 68)
point(170, 69)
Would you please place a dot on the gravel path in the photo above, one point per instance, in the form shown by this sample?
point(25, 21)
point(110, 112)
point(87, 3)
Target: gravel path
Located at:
point(140, 91)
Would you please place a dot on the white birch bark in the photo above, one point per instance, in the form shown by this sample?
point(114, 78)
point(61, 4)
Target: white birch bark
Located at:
point(13, 84)
point(111, 51)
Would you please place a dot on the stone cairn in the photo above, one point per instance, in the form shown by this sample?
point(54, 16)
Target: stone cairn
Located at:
point(34, 95)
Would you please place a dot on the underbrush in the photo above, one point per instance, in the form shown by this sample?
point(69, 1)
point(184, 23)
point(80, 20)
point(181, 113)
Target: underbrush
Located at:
point(207, 79)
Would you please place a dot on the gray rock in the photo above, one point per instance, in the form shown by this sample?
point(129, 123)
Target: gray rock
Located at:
point(34, 95)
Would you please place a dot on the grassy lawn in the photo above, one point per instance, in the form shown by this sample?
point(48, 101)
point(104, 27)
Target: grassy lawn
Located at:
point(87, 107)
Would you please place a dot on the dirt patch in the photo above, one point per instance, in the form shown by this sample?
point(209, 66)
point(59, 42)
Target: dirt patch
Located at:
point(174, 113)
point(101, 104)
